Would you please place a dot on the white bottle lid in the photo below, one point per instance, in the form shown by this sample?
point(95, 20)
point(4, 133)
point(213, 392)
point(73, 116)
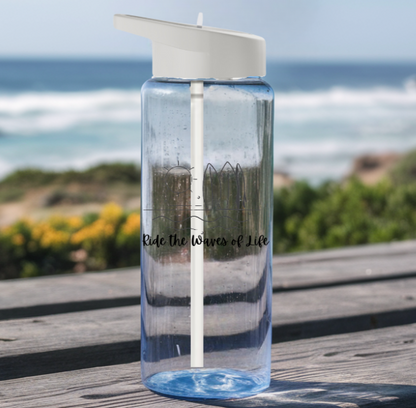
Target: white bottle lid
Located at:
point(196, 52)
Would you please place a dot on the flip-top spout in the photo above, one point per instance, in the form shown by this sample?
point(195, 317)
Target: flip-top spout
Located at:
point(196, 51)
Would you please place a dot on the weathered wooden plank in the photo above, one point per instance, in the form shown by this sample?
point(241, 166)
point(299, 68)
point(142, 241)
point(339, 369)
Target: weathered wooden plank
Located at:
point(111, 336)
point(70, 287)
point(371, 250)
point(368, 369)
point(342, 309)
point(69, 341)
point(335, 272)
point(115, 386)
point(70, 293)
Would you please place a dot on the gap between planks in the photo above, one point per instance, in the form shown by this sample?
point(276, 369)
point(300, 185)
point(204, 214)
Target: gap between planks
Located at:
point(369, 369)
point(104, 337)
point(34, 297)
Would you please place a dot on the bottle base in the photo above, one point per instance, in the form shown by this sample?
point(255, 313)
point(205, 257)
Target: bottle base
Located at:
point(207, 383)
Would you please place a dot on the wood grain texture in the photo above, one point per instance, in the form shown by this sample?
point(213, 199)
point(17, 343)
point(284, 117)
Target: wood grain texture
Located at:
point(71, 293)
point(336, 272)
point(69, 341)
point(111, 336)
point(371, 250)
point(343, 309)
point(365, 370)
point(88, 358)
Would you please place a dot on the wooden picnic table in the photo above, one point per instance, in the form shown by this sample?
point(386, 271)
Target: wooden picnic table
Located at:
point(344, 335)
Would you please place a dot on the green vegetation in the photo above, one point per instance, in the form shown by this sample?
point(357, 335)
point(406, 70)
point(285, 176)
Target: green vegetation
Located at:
point(98, 184)
point(335, 215)
point(61, 244)
point(405, 170)
point(305, 218)
point(101, 174)
point(11, 194)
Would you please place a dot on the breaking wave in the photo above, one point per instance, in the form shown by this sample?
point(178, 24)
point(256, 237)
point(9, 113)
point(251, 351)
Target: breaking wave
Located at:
point(38, 112)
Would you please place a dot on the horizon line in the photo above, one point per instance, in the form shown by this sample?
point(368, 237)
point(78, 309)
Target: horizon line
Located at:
point(126, 58)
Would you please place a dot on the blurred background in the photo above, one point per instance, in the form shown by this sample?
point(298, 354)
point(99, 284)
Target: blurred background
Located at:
point(344, 75)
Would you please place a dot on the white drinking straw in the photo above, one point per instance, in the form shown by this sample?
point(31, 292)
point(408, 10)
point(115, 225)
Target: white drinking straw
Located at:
point(197, 224)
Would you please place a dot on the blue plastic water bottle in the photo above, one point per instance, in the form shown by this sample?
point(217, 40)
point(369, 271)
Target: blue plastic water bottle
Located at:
point(206, 215)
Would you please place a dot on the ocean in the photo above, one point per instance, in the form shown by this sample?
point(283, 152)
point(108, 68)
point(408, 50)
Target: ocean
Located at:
point(60, 114)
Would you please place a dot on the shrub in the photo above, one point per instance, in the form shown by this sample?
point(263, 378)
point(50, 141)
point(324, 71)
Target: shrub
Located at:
point(60, 244)
point(103, 173)
point(291, 206)
point(404, 172)
point(336, 215)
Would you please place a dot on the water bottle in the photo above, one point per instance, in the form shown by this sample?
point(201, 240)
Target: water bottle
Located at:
point(206, 211)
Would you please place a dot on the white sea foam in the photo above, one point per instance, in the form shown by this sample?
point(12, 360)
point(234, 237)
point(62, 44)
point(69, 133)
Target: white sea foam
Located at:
point(337, 147)
point(345, 97)
point(38, 112)
point(317, 160)
point(317, 133)
point(343, 104)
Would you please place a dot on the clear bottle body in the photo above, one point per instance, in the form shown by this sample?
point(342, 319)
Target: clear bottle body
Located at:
point(237, 251)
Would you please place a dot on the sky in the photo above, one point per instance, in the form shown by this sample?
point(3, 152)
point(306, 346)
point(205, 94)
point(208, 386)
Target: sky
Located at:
point(311, 30)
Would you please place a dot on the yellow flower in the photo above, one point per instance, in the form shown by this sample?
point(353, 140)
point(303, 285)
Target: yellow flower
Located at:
point(61, 222)
point(18, 239)
point(111, 212)
point(75, 222)
point(132, 225)
point(39, 229)
point(54, 239)
point(95, 231)
point(48, 236)
point(58, 221)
